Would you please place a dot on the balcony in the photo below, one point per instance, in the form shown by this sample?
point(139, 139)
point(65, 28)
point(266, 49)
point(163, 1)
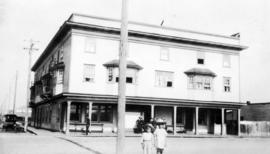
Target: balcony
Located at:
point(59, 65)
point(47, 93)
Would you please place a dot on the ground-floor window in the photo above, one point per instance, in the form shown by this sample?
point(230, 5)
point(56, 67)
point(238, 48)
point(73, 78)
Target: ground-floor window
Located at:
point(180, 116)
point(75, 112)
point(203, 117)
point(102, 113)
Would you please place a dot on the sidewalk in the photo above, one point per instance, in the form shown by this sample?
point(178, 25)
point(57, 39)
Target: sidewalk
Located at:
point(44, 132)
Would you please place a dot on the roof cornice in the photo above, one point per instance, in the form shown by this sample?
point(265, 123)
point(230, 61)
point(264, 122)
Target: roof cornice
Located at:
point(68, 25)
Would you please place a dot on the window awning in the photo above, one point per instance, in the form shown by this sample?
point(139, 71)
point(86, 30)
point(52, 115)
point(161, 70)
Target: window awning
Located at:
point(130, 64)
point(200, 71)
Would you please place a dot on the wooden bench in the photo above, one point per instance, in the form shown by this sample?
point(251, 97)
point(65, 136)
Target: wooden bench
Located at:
point(95, 127)
point(180, 128)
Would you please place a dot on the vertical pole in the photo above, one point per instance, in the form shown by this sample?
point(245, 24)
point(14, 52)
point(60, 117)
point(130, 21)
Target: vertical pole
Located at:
point(222, 122)
point(90, 114)
point(152, 111)
point(31, 48)
point(122, 79)
point(196, 120)
point(15, 93)
point(68, 116)
point(238, 122)
point(174, 119)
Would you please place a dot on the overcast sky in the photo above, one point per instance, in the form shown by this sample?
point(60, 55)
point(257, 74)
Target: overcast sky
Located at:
point(22, 20)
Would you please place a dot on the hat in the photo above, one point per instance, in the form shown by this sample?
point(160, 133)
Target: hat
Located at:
point(160, 121)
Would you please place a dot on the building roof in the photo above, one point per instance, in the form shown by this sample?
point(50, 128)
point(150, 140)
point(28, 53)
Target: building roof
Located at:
point(200, 71)
point(140, 30)
point(130, 64)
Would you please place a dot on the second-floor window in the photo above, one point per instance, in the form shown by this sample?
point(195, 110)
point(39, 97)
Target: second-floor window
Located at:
point(200, 82)
point(60, 76)
point(131, 75)
point(201, 58)
point(88, 73)
point(61, 54)
point(90, 45)
point(164, 79)
point(55, 58)
point(226, 61)
point(164, 53)
point(227, 84)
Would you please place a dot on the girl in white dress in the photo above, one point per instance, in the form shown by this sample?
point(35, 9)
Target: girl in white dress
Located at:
point(160, 138)
point(147, 141)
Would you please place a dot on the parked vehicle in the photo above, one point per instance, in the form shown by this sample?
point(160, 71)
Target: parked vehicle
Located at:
point(9, 122)
point(12, 122)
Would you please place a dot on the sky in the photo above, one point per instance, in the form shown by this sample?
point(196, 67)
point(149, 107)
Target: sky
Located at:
point(39, 20)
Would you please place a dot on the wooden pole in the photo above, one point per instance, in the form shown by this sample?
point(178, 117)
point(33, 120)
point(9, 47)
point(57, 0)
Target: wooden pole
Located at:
point(122, 80)
point(15, 93)
point(30, 50)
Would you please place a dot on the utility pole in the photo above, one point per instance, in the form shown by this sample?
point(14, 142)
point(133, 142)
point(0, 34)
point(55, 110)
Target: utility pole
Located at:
point(121, 107)
point(30, 50)
point(15, 93)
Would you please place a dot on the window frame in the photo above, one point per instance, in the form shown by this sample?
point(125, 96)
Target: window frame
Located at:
point(115, 78)
point(161, 56)
point(200, 57)
point(224, 58)
point(94, 73)
point(90, 42)
point(193, 82)
point(167, 81)
point(227, 85)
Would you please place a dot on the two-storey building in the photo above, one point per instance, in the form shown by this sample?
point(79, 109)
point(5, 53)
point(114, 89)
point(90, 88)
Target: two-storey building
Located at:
point(189, 79)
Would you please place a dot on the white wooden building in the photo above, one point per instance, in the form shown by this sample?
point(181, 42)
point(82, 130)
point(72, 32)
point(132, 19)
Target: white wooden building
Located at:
point(189, 79)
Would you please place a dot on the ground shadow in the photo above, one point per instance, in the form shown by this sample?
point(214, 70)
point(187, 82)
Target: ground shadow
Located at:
point(84, 147)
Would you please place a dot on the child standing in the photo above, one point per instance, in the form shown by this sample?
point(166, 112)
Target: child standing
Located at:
point(160, 138)
point(147, 141)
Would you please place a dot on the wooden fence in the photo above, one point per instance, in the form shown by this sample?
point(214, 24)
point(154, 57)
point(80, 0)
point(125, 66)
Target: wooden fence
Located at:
point(255, 128)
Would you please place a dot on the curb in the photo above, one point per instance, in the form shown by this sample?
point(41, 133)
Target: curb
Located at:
point(32, 132)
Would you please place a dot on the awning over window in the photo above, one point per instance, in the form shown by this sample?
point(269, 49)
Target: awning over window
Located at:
point(200, 71)
point(130, 64)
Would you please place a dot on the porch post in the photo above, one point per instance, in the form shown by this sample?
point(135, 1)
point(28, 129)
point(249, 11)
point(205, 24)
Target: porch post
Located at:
point(238, 120)
point(90, 114)
point(222, 122)
point(152, 111)
point(83, 110)
point(68, 116)
point(196, 120)
point(35, 115)
point(174, 119)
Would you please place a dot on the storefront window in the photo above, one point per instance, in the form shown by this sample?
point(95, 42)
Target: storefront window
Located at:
point(75, 112)
point(102, 113)
point(203, 117)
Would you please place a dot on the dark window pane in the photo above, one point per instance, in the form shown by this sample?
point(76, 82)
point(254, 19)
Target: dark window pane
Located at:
point(202, 116)
point(169, 84)
point(129, 79)
point(200, 61)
